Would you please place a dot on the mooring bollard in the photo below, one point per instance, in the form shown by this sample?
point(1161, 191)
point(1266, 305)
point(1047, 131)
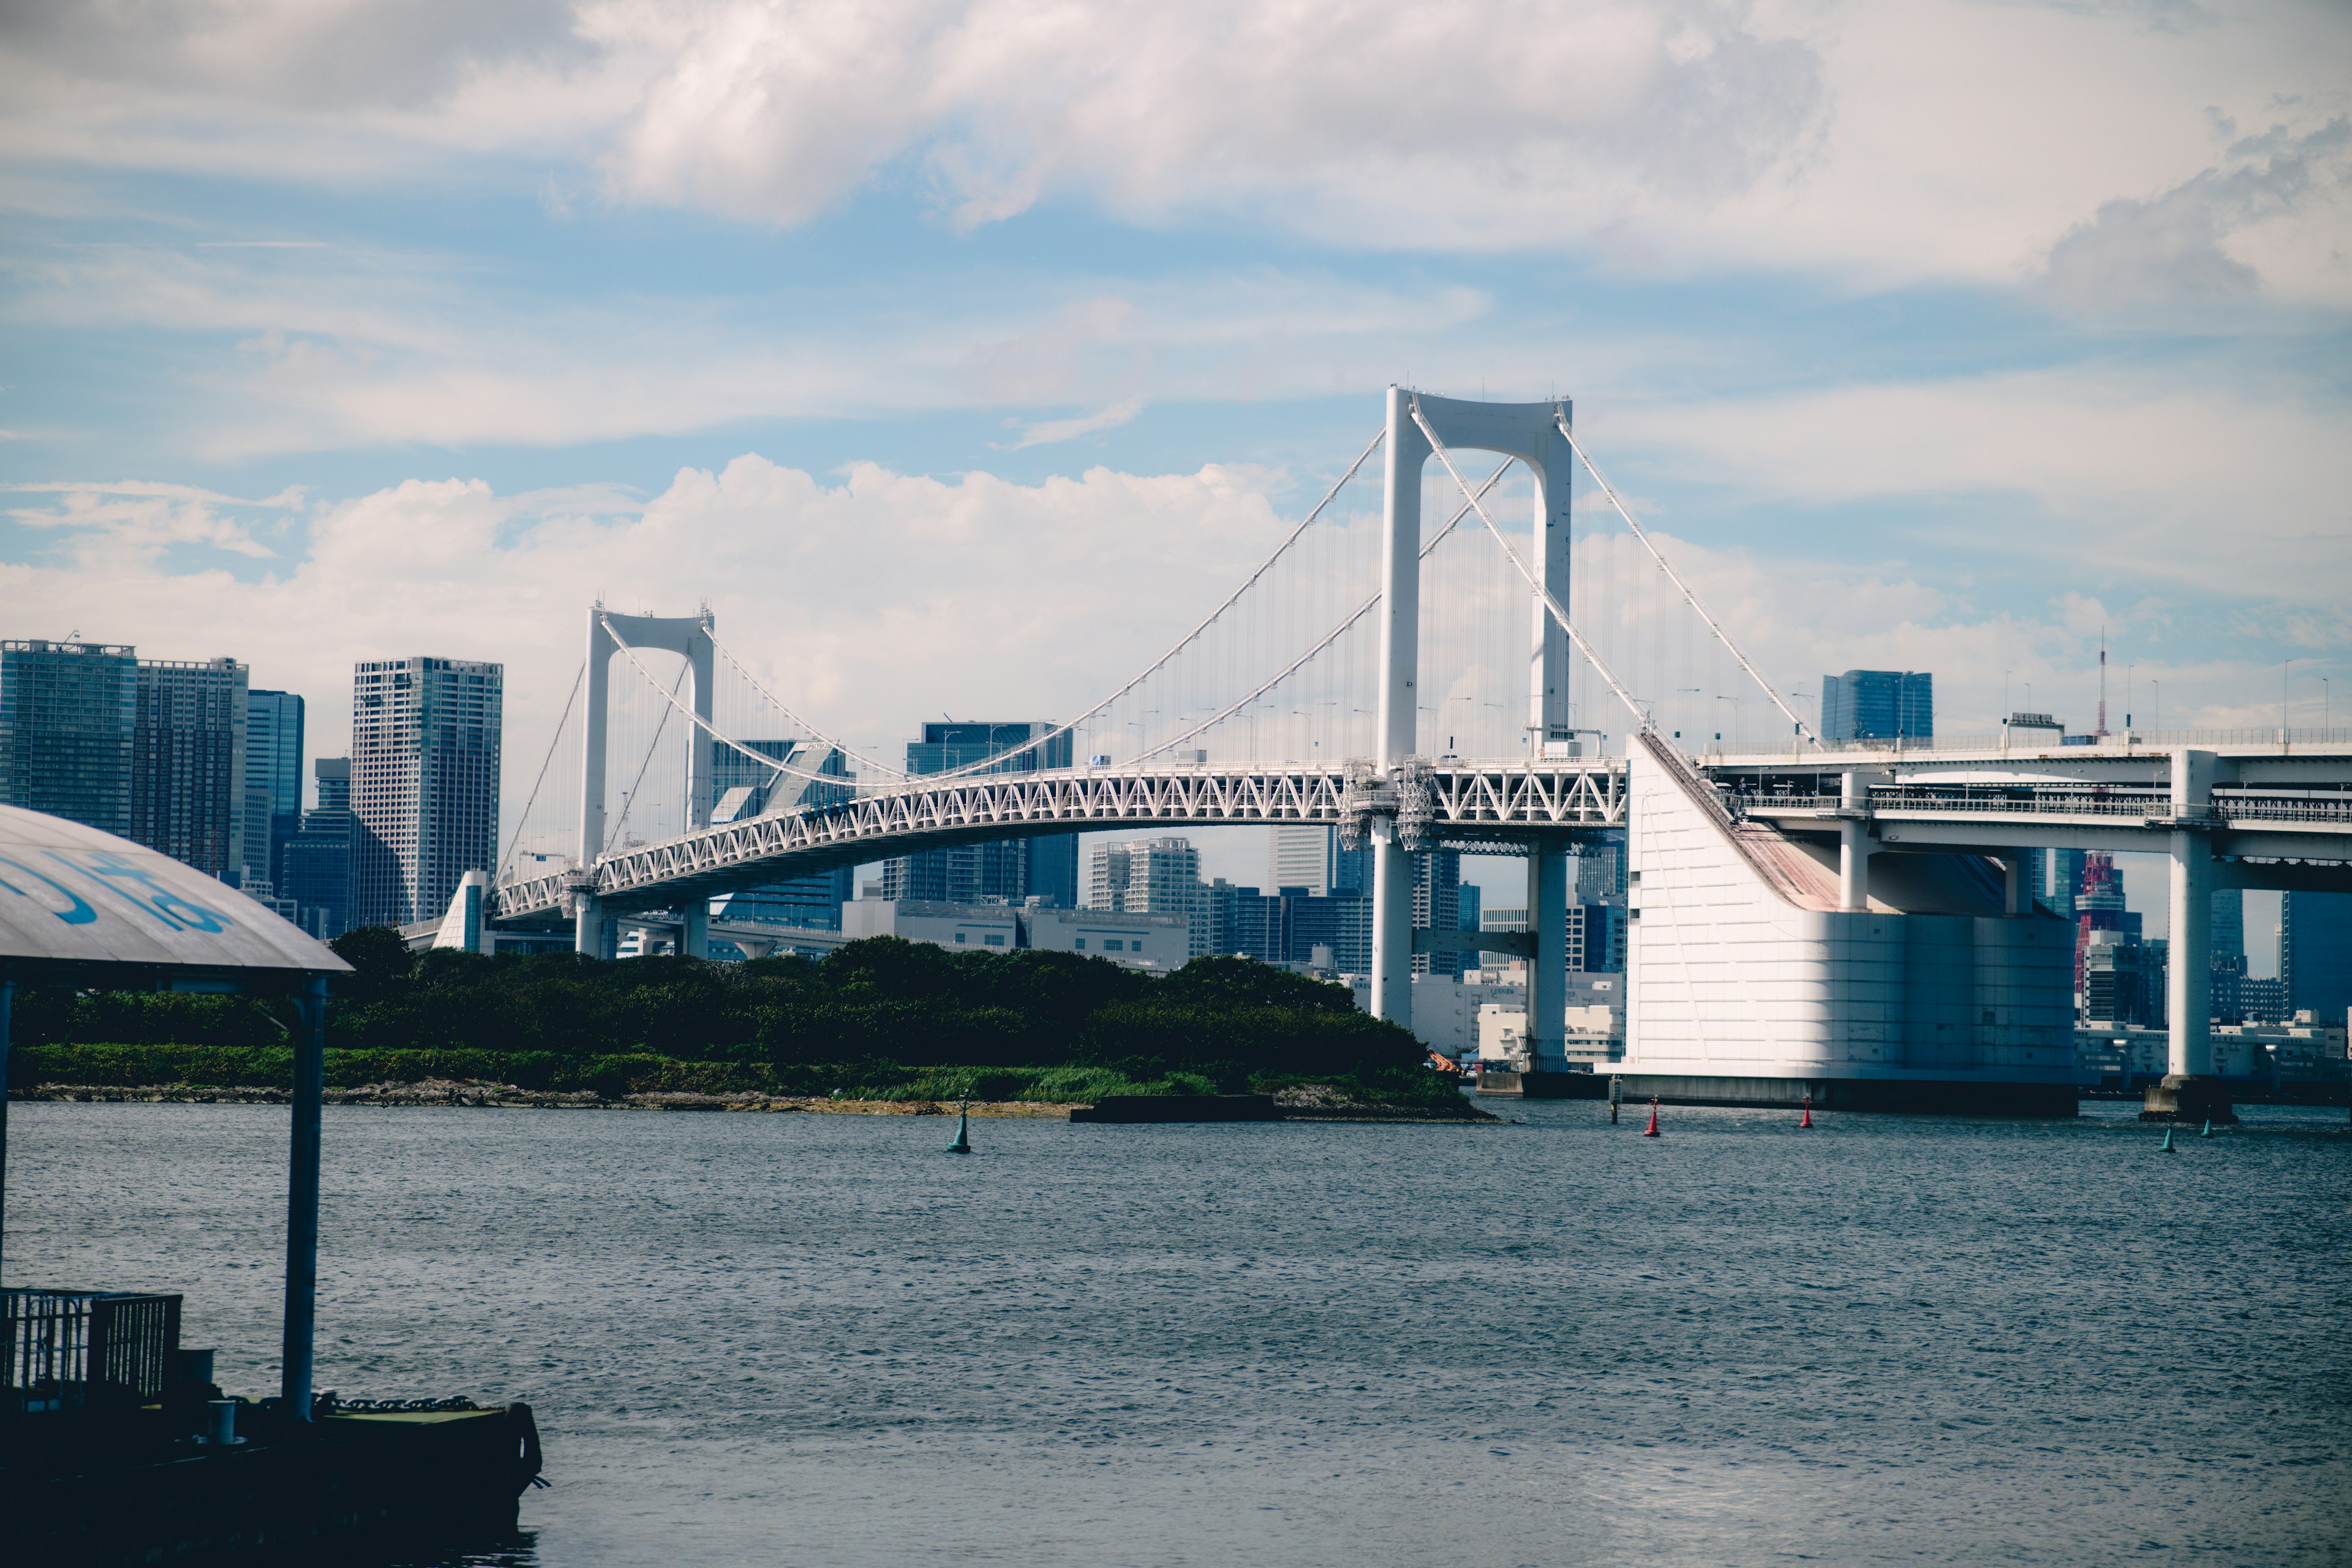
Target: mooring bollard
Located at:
point(222, 1431)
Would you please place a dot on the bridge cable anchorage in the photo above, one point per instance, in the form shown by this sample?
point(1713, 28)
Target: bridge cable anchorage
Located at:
point(1688, 597)
point(1366, 608)
point(1189, 638)
point(1642, 720)
point(514, 839)
point(713, 731)
point(814, 734)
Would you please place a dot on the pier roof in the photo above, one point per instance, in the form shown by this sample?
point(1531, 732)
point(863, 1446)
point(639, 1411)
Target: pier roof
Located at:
point(76, 904)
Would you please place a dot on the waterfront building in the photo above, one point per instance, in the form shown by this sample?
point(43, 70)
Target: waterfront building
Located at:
point(1154, 877)
point(315, 864)
point(1013, 869)
point(187, 763)
point(2315, 952)
point(2228, 960)
point(425, 741)
point(273, 780)
point(1596, 938)
point(1878, 705)
point(2059, 881)
point(67, 714)
point(1159, 943)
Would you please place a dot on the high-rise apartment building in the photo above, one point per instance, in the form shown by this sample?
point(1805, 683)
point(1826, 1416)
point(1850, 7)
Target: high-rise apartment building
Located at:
point(424, 782)
point(67, 711)
point(2316, 953)
point(1601, 871)
point(1011, 870)
point(1152, 876)
point(187, 762)
point(273, 779)
point(1878, 705)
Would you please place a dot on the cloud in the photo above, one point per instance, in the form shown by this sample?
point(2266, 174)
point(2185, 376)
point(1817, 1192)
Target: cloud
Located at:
point(2177, 248)
point(1046, 432)
point(2231, 491)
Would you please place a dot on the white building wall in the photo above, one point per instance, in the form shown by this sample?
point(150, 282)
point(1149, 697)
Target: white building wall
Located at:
point(1730, 974)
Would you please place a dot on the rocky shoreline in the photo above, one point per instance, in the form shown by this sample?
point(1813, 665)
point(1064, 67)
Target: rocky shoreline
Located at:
point(1309, 1102)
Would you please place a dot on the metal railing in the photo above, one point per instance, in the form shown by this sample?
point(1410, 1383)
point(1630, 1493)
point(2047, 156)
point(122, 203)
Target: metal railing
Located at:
point(2223, 808)
point(60, 1348)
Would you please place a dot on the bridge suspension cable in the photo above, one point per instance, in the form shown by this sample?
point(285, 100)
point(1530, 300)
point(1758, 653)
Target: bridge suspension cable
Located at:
point(1655, 554)
point(1190, 637)
point(1557, 613)
point(711, 729)
point(514, 839)
point(815, 735)
point(1335, 634)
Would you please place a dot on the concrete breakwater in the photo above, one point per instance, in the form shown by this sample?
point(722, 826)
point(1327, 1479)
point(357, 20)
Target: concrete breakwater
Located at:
point(1305, 1102)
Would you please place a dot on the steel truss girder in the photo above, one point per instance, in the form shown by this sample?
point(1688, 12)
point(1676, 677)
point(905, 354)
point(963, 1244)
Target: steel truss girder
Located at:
point(1469, 804)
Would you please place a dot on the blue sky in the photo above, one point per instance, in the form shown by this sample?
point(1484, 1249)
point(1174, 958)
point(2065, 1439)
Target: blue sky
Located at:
point(1934, 335)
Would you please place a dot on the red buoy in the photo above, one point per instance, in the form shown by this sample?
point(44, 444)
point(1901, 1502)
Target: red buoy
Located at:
point(1807, 1122)
point(1652, 1130)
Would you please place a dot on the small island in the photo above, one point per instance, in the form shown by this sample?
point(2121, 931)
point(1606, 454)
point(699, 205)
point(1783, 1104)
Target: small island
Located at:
point(880, 1025)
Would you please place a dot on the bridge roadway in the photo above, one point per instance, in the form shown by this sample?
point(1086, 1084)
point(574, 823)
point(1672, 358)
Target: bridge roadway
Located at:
point(2284, 815)
point(1504, 803)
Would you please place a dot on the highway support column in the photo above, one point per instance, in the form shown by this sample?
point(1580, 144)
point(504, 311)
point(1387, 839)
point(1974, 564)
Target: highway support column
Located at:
point(1854, 844)
point(2190, 1091)
point(694, 941)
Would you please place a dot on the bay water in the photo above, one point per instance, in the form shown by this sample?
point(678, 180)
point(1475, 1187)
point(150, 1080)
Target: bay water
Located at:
point(817, 1340)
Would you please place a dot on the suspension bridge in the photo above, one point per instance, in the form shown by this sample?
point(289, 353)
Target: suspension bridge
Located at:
point(1427, 676)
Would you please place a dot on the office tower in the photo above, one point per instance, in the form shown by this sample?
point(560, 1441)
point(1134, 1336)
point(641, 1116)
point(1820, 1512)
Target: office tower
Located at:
point(1878, 705)
point(1471, 907)
point(2098, 907)
point(2122, 980)
point(1596, 938)
point(1152, 876)
point(1013, 870)
point(741, 789)
point(424, 782)
point(1311, 857)
point(187, 762)
point(273, 779)
point(2229, 954)
point(2061, 882)
point(1437, 906)
point(66, 714)
point(315, 865)
point(1510, 918)
point(2316, 954)
point(1601, 871)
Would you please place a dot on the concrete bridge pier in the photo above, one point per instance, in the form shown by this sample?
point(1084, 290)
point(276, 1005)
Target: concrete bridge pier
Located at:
point(588, 925)
point(1392, 925)
point(1547, 1003)
point(2189, 1092)
point(694, 941)
point(1854, 843)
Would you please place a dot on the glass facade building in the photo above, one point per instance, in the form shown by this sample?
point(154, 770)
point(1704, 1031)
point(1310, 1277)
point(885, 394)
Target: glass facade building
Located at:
point(67, 714)
point(1011, 870)
point(1878, 705)
point(426, 740)
point(2316, 953)
point(187, 763)
point(273, 779)
point(742, 788)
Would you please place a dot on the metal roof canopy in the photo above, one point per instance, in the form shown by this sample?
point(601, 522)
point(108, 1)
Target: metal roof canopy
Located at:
point(78, 907)
point(82, 907)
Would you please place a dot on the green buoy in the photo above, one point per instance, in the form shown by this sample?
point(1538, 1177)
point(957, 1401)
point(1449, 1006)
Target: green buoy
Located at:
point(2167, 1140)
point(2209, 1129)
point(962, 1144)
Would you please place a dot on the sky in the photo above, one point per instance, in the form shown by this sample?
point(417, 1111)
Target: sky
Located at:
point(956, 353)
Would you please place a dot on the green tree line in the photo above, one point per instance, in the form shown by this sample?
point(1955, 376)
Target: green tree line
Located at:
point(882, 1014)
